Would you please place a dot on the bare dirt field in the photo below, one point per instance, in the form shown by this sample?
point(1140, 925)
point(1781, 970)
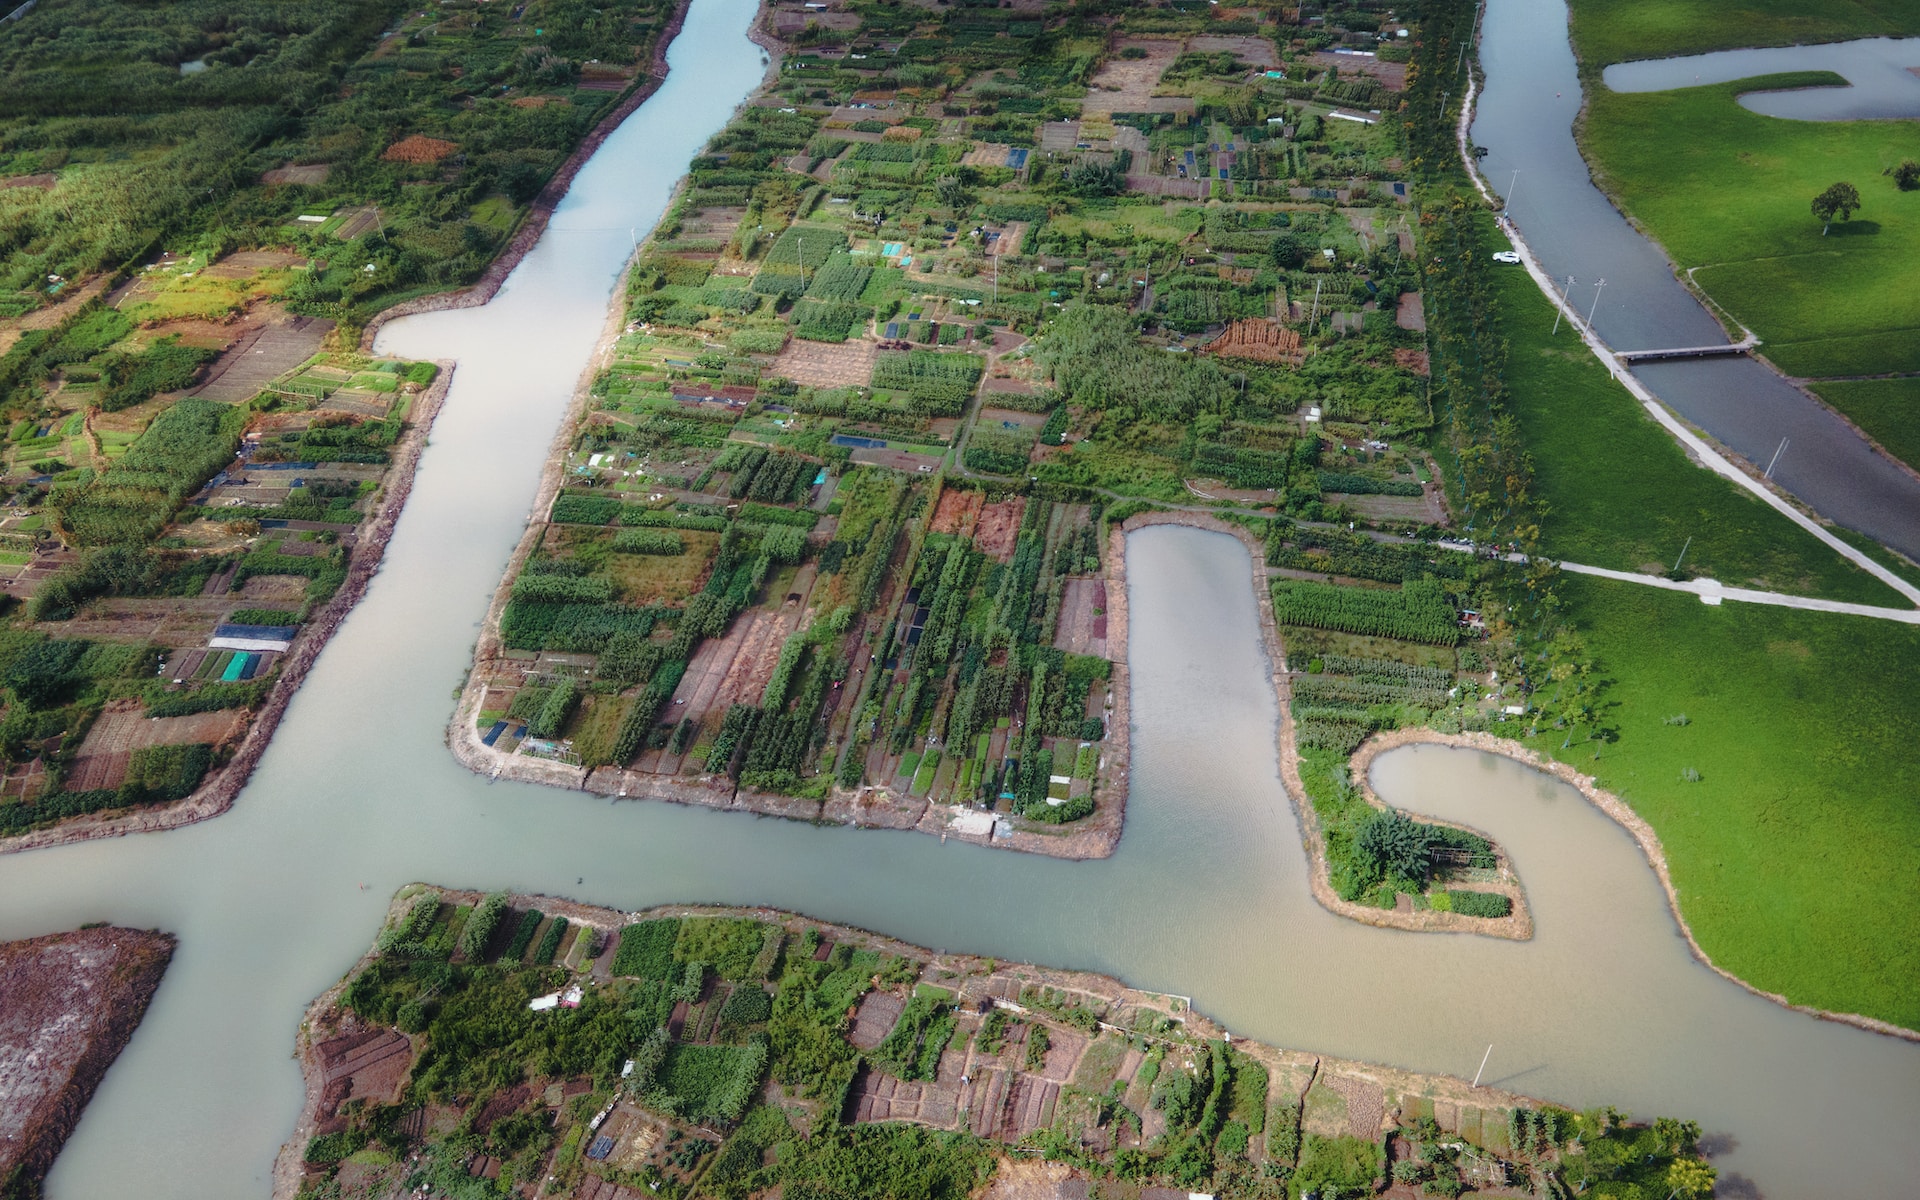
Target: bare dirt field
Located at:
point(1007, 418)
point(999, 527)
point(279, 345)
point(245, 264)
point(1254, 51)
point(69, 1002)
point(899, 460)
point(733, 669)
point(822, 364)
point(1423, 509)
point(1411, 312)
point(957, 513)
point(1126, 84)
point(315, 173)
point(166, 621)
point(1083, 618)
point(874, 1019)
point(1392, 76)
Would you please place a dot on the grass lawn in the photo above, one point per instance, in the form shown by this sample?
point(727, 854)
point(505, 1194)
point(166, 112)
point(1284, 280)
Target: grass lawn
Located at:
point(1888, 409)
point(1621, 493)
point(1729, 192)
point(1610, 31)
point(1793, 853)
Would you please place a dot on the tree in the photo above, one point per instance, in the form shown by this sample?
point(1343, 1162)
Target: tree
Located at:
point(952, 193)
point(1691, 1179)
point(1906, 176)
point(1397, 847)
point(1842, 199)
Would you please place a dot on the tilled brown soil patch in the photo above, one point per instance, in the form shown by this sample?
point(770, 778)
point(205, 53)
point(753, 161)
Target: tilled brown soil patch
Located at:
point(69, 1002)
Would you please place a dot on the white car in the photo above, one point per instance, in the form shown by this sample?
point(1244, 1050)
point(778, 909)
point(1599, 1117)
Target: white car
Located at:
point(1506, 256)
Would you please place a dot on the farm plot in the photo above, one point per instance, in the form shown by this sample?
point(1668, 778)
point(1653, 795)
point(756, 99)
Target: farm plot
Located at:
point(124, 727)
point(734, 669)
point(1254, 51)
point(828, 364)
point(1083, 618)
point(1127, 84)
point(999, 528)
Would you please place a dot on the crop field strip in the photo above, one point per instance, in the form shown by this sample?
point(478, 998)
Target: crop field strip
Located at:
point(737, 1053)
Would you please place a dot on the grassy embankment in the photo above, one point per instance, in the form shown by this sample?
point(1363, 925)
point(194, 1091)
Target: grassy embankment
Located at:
point(1789, 850)
point(1791, 853)
point(1728, 192)
point(1608, 31)
point(1621, 494)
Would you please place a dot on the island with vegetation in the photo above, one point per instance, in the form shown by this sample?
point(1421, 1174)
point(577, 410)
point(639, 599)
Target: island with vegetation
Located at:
point(69, 1003)
point(201, 467)
point(837, 528)
point(491, 1044)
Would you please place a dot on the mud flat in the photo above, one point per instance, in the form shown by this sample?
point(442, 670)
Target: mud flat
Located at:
point(69, 1003)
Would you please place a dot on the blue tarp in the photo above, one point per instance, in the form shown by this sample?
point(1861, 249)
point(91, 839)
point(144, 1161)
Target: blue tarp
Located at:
point(1016, 157)
point(493, 735)
point(300, 466)
point(865, 443)
point(264, 633)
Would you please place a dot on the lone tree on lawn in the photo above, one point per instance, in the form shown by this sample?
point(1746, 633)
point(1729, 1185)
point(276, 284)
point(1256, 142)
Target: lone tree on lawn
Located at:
point(1841, 199)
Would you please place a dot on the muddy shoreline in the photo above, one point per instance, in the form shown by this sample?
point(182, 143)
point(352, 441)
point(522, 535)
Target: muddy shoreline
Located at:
point(217, 794)
point(69, 1004)
point(287, 1172)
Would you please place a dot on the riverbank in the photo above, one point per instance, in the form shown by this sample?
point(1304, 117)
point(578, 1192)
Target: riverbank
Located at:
point(69, 1003)
point(881, 806)
point(1709, 455)
point(217, 794)
point(534, 224)
point(1093, 1025)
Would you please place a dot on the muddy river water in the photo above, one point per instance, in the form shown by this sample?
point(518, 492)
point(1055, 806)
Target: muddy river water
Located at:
point(1206, 895)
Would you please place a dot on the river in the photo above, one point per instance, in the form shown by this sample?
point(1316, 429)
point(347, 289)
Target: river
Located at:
point(1206, 895)
point(1882, 74)
point(1525, 120)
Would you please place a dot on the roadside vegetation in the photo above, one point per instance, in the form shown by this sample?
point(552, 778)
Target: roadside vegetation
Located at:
point(723, 1056)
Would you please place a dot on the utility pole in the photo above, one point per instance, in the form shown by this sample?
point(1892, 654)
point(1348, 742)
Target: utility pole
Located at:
point(1560, 309)
point(1683, 554)
point(1596, 302)
point(1316, 306)
point(1776, 458)
point(1506, 210)
point(996, 279)
point(1483, 1064)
